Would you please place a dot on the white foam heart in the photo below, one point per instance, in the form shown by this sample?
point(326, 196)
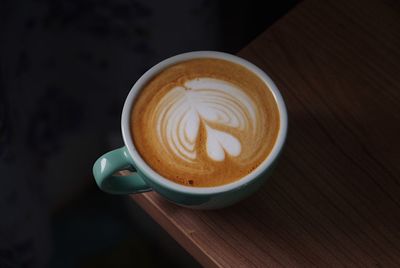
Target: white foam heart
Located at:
point(219, 142)
point(204, 100)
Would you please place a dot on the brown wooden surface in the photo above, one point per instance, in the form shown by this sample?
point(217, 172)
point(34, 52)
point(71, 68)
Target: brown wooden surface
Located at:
point(334, 199)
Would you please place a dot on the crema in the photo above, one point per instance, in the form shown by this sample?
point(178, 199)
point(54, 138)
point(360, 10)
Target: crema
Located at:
point(205, 122)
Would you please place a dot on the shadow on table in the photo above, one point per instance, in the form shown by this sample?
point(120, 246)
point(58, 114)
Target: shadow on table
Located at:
point(100, 230)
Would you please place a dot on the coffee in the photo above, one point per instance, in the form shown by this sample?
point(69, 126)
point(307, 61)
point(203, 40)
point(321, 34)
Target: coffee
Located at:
point(204, 122)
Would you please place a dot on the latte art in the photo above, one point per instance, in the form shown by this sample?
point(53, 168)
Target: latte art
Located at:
point(206, 101)
point(204, 122)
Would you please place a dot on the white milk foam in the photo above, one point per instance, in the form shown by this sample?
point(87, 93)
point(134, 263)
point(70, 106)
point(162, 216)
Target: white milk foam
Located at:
point(208, 101)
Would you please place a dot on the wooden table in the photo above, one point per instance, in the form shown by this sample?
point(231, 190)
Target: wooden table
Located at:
point(334, 199)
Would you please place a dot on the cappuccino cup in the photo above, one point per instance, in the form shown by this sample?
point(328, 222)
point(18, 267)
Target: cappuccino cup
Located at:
point(202, 129)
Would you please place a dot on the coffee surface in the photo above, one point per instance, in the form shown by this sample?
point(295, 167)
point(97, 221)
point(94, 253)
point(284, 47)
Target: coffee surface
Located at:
point(204, 122)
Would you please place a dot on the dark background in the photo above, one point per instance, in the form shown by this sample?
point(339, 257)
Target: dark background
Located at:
point(65, 69)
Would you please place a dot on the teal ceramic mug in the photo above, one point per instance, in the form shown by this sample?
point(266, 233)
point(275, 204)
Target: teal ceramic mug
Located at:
point(143, 178)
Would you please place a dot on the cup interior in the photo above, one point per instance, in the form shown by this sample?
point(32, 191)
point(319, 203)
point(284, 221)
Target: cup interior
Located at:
point(160, 180)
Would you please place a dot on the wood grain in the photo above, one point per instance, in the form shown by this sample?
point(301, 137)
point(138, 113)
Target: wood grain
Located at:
point(334, 199)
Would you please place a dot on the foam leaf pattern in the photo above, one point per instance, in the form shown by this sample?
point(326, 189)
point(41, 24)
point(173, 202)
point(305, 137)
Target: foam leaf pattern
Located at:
point(208, 101)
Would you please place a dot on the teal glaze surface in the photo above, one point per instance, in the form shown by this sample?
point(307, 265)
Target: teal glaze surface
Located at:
point(139, 181)
point(111, 162)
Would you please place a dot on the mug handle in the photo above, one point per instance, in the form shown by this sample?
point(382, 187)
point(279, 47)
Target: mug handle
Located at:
point(111, 162)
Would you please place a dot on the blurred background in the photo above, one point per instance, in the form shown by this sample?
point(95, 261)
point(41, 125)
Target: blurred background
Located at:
point(65, 70)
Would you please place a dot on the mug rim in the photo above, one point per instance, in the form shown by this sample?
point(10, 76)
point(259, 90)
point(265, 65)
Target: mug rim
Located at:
point(159, 179)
